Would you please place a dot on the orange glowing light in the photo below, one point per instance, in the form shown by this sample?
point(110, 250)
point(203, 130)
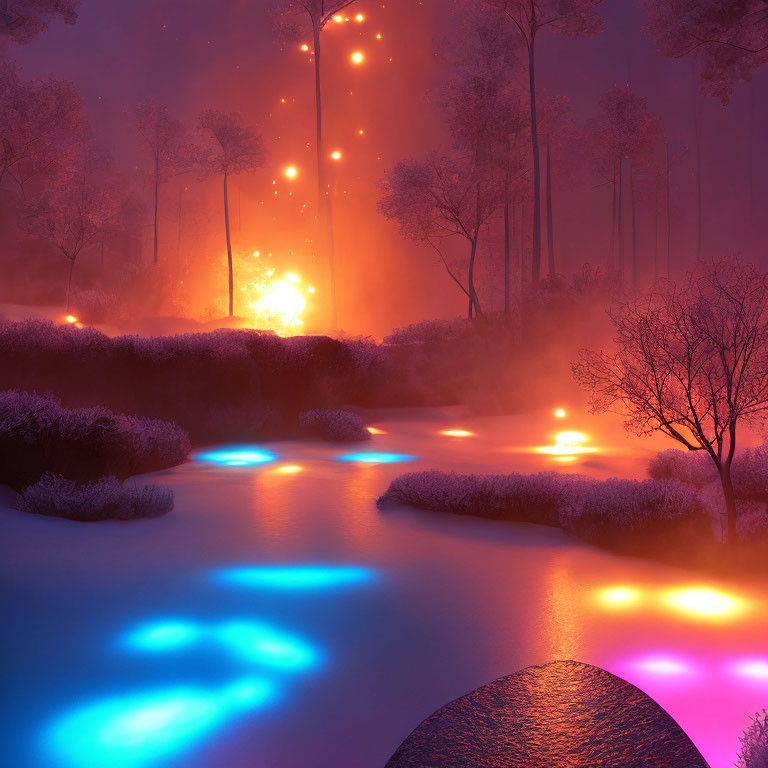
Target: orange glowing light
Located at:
point(705, 603)
point(360, 132)
point(288, 469)
point(282, 101)
point(304, 47)
point(378, 37)
point(71, 319)
point(359, 17)
point(338, 18)
point(291, 171)
point(560, 413)
point(457, 433)
point(377, 431)
point(357, 57)
point(567, 443)
point(619, 597)
point(310, 289)
point(336, 155)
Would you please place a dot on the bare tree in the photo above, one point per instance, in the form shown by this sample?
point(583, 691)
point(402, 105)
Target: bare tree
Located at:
point(22, 20)
point(691, 362)
point(238, 148)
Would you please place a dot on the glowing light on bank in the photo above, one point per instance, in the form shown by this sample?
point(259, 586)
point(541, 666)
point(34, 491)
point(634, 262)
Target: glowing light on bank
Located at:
point(705, 603)
point(359, 18)
point(295, 577)
point(304, 47)
point(457, 433)
point(237, 456)
point(358, 57)
point(560, 413)
point(567, 443)
point(619, 597)
point(376, 458)
point(336, 155)
point(291, 171)
point(377, 431)
point(288, 469)
point(149, 727)
point(71, 319)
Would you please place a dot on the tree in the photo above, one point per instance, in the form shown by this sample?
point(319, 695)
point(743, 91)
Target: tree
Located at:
point(448, 195)
point(72, 210)
point(624, 132)
point(691, 362)
point(572, 18)
point(171, 154)
point(22, 20)
point(41, 124)
point(238, 148)
point(318, 13)
point(730, 35)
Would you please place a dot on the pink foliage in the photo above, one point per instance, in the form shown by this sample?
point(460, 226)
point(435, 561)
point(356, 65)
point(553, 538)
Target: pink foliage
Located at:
point(105, 499)
point(336, 426)
point(754, 743)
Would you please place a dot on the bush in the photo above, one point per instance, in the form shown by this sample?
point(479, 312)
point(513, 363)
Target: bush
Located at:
point(106, 499)
point(750, 474)
point(638, 516)
point(528, 498)
point(754, 743)
point(336, 426)
point(98, 307)
point(38, 435)
point(694, 468)
point(752, 522)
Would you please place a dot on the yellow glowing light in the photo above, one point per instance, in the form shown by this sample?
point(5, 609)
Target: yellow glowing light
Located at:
point(288, 469)
point(457, 433)
point(376, 431)
point(360, 132)
point(705, 602)
point(256, 254)
point(357, 57)
point(282, 101)
point(564, 459)
point(291, 278)
point(570, 439)
point(359, 17)
point(378, 37)
point(304, 47)
point(71, 319)
point(310, 289)
point(560, 413)
point(338, 18)
point(291, 171)
point(568, 443)
point(619, 597)
point(282, 303)
point(336, 155)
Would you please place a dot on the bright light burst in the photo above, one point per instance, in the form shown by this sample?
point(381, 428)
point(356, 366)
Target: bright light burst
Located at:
point(71, 319)
point(457, 433)
point(560, 413)
point(304, 47)
point(291, 171)
point(705, 603)
point(358, 57)
point(619, 597)
point(376, 431)
point(568, 443)
point(288, 469)
point(336, 155)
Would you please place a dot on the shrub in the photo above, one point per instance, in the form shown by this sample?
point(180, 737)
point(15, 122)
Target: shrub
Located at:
point(38, 435)
point(337, 426)
point(106, 499)
point(754, 743)
point(694, 468)
point(98, 307)
point(528, 498)
point(750, 474)
point(752, 522)
point(638, 516)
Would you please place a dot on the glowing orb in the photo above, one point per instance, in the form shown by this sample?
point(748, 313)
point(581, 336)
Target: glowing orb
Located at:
point(663, 665)
point(357, 57)
point(288, 469)
point(304, 47)
point(705, 603)
point(299, 577)
point(71, 319)
point(149, 727)
point(291, 278)
point(281, 300)
point(560, 413)
point(237, 456)
point(359, 17)
point(376, 458)
point(567, 443)
point(164, 636)
point(261, 644)
point(338, 18)
point(457, 433)
point(756, 669)
point(619, 597)
point(378, 37)
point(291, 171)
point(360, 132)
point(310, 289)
point(377, 431)
point(336, 155)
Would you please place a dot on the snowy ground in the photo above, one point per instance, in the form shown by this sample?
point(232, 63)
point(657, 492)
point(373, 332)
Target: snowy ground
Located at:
point(194, 641)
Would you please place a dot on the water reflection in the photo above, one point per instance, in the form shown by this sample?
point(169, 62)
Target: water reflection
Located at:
point(301, 577)
point(237, 456)
point(376, 458)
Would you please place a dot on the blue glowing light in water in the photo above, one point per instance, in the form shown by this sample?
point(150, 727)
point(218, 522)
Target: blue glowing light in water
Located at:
point(140, 730)
point(296, 577)
point(238, 456)
point(252, 641)
point(376, 458)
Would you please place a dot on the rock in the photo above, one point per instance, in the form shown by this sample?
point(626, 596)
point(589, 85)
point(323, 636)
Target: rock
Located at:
point(561, 715)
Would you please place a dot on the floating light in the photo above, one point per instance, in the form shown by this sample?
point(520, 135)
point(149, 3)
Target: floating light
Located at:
point(457, 433)
point(705, 603)
point(376, 458)
point(336, 155)
point(560, 413)
point(295, 577)
point(359, 17)
point(567, 443)
point(304, 47)
point(237, 456)
point(619, 597)
point(664, 666)
point(291, 171)
point(755, 669)
point(310, 289)
point(292, 278)
point(376, 431)
point(262, 644)
point(357, 57)
point(164, 635)
point(288, 469)
point(71, 319)
point(338, 18)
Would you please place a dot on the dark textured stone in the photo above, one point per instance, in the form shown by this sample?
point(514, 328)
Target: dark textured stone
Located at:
point(561, 715)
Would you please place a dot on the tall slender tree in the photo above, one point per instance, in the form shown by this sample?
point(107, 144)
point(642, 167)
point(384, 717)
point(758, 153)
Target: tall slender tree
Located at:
point(572, 18)
point(237, 148)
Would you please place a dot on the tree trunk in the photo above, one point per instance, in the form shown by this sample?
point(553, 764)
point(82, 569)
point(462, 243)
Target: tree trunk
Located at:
point(621, 216)
point(323, 205)
point(523, 270)
point(550, 228)
point(229, 247)
point(730, 503)
point(669, 219)
point(536, 243)
point(634, 225)
point(69, 281)
point(157, 195)
point(507, 243)
point(473, 300)
point(612, 249)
